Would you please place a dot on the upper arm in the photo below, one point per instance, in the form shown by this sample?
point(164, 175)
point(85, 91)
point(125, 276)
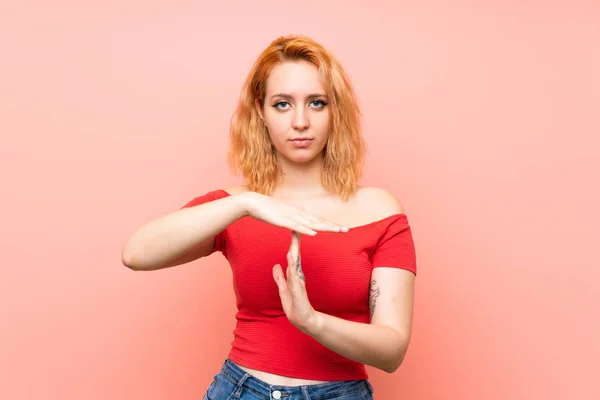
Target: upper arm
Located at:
point(210, 245)
point(391, 290)
point(206, 247)
point(201, 250)
point(391, 298)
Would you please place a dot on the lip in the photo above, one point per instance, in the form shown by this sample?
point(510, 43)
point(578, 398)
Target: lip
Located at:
point(301, 142)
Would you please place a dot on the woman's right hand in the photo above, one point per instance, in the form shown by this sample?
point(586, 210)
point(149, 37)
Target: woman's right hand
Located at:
point(279, 213)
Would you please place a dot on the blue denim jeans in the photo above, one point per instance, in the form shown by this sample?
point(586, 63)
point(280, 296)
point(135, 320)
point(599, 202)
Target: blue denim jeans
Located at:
point(233, 383)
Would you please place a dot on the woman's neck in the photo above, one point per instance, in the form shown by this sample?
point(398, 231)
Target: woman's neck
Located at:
point(301, 180)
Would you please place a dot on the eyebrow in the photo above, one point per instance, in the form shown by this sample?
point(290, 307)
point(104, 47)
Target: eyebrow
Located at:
point(289, 97)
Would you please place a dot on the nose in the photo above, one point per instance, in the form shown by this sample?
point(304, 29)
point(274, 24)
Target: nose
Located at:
point(300, 119)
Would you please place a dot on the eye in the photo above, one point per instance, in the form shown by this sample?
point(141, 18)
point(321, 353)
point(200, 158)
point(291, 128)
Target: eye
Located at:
point(319, 104)
point(281, 105)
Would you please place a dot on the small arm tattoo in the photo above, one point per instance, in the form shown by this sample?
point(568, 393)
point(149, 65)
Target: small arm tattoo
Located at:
point(373, 295)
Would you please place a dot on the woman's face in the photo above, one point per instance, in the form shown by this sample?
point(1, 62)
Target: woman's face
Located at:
point(296, 111)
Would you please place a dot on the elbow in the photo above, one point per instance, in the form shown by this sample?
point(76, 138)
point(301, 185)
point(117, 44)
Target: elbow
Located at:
point(136, 262)
point(128, 260)
point(128, 255)
point(393, 364)
point(394, 361)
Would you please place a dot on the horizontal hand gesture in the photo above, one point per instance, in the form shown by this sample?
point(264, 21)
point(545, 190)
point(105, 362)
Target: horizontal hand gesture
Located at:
point(279, 213)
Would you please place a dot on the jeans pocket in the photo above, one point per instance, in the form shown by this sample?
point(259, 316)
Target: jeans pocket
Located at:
point(220, 388)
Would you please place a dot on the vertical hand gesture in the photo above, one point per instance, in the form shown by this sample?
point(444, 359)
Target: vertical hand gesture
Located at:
point(292, 289)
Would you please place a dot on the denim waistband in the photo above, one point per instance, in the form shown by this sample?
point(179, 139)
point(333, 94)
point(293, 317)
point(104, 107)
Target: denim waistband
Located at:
point(261, 389)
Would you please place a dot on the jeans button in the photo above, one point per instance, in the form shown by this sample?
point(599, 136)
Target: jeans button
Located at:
point(276, 394)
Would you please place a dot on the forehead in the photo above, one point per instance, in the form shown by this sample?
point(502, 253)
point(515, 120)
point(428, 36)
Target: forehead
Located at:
point(297, 77)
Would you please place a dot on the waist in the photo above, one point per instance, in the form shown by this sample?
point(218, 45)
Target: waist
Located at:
point(244, 380)
point(278, 350)
point(280, 380)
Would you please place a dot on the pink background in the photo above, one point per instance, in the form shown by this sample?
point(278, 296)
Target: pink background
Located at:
point(482, 117)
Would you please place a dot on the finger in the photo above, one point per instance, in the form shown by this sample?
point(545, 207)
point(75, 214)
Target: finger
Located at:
point(291, 262)
point(311, 216)
point(295, 273)
point(313, 224)
point(317, 223)
point(278, 276)
point(291, 268)
point(295, 246)
point(301, 227)
point(295, 252)
point(284, 291)
point(299, 272)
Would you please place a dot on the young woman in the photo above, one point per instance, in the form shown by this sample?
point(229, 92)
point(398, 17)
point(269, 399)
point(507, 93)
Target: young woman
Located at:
point(323, 268)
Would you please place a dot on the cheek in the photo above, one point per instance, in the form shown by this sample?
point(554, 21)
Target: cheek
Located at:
point(322, 123)
point(277, 124)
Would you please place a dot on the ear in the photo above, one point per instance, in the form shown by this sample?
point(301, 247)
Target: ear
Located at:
point(259, 109)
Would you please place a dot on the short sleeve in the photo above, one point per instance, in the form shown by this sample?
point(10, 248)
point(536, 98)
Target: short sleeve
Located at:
point(210, 196)
point(395, 248)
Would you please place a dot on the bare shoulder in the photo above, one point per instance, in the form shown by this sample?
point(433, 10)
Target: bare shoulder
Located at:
point(235, 190)
point(381, 201)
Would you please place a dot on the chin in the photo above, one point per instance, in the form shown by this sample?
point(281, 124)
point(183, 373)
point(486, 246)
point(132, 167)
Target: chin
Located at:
point(300, 158)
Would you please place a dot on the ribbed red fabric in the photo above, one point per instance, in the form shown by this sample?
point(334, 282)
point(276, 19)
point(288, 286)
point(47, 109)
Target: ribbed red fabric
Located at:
point(337, 268)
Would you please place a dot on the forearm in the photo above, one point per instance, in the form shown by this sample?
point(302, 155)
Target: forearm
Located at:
point(166, 238)
point(376, 345)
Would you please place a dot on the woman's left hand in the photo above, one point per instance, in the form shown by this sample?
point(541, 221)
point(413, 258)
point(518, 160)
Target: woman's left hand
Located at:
point(292, 290)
